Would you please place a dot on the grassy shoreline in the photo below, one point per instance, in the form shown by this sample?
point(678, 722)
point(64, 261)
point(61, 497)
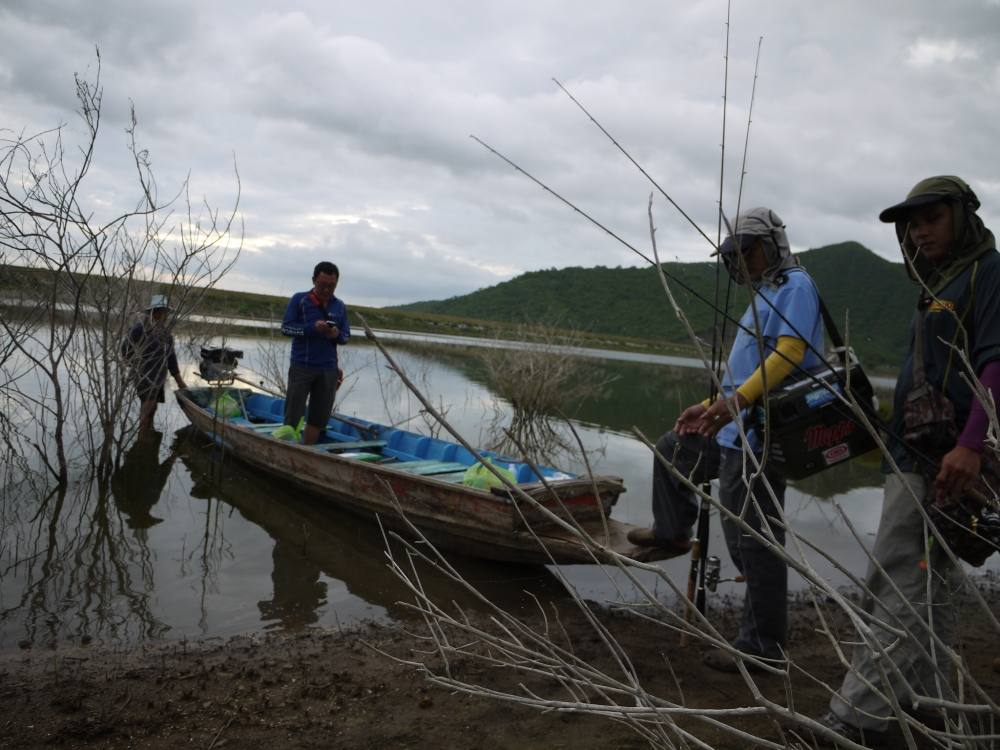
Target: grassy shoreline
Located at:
point(269, 309)
point(262, 307)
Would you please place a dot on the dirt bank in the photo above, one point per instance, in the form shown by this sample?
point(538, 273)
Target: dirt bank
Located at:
point(329, 689)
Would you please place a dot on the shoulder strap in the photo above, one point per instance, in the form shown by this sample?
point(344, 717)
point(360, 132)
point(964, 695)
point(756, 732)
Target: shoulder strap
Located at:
point(967, 333)
point(828, 323)
point(832, 331)
point(918, 348)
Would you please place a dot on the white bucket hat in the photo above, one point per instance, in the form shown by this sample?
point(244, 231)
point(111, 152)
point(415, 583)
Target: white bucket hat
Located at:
point(158, 302)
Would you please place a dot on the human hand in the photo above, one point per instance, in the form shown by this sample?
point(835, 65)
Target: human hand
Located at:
point(959, 467)
point(340, 376)
point(687, 422)
point(719, 414)
point(327, 328)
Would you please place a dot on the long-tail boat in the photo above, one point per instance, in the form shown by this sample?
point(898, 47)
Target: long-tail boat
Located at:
point(408, 478)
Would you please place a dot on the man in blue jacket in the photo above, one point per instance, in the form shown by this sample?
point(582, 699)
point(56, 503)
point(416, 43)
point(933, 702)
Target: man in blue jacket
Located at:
point(317, 323)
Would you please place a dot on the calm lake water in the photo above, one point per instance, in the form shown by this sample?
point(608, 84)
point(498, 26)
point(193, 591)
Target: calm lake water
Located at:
point(189, 543)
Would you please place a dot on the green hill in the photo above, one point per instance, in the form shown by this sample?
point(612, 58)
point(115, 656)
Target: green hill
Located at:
point(630, 301)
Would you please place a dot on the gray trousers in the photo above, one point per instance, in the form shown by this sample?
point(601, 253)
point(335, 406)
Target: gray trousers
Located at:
point(319, 387)
point(764, 621)
point(899, 548)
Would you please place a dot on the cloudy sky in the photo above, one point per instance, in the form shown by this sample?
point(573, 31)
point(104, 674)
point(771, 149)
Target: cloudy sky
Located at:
point(349, 122)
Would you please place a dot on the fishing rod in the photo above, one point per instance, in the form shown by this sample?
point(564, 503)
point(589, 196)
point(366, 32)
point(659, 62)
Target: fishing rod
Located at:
point(843, 353)
point(675, 279)
point(683, 213)
point(840, 390)
point(708, 571)
point(866, 408)
point(699, 553)
point(699, 576)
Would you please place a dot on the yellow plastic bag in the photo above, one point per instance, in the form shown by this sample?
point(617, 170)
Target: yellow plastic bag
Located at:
point(481, 478)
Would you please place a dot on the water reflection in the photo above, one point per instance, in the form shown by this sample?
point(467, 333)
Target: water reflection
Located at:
point(314, 542)
point(185, 542)
point(72, 573)
point(298, 591)
point(634, 394)
point(140, 480)
point(864, 471)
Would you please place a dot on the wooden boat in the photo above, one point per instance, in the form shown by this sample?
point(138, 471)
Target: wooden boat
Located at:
point(366, 467)
point(311, 537)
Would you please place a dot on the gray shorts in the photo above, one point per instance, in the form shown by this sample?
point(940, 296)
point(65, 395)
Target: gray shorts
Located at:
point(318, 386)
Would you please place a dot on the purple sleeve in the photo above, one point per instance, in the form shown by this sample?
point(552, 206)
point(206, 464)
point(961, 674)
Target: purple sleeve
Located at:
point(975, 427)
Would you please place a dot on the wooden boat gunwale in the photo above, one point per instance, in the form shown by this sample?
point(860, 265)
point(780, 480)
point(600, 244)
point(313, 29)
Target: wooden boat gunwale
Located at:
point(490, 524)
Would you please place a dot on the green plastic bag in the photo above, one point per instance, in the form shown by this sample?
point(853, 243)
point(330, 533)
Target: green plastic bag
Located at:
point(227, 406)
point(290, 434)
point(481, 478)
point(287, 432)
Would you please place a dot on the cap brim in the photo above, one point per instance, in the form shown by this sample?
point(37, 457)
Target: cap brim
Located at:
point(901, 211)
point(728, 245)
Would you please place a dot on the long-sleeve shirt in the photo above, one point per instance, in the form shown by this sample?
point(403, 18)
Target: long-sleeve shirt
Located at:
point(150, 350)
point(974, 434)
point(312, 348)
point(788, 309)
point(964, 314)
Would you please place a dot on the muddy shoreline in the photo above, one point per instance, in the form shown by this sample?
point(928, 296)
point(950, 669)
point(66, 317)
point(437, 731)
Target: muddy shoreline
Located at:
point(333, 689)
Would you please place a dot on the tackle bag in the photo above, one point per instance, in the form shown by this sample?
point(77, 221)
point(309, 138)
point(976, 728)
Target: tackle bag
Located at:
point(970, 525)
point(810, 427)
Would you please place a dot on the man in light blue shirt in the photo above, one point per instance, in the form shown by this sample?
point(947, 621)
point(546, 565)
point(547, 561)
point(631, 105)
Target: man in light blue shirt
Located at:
point(785, 334)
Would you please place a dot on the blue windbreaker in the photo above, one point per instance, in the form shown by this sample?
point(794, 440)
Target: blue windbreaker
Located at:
point(310, 348)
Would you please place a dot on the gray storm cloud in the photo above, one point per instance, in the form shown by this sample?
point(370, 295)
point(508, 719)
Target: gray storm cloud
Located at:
point(349, 122)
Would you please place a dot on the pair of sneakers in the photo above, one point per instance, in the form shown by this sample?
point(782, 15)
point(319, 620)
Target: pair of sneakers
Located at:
point(871, 737)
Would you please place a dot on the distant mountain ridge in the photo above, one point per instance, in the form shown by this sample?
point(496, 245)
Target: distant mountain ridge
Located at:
point(630, 301)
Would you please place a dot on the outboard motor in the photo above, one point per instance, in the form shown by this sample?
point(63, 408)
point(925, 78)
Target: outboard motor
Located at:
point(218, 364)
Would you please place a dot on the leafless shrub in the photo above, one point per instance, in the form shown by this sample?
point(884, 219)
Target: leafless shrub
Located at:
point(79, 279)
point(400, 408)
point(538, 380)
point(272, 360)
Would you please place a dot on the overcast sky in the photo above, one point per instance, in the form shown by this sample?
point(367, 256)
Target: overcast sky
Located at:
point(349, 122)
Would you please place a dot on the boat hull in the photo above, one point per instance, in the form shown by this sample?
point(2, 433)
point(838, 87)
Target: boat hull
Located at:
point(487, 524)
